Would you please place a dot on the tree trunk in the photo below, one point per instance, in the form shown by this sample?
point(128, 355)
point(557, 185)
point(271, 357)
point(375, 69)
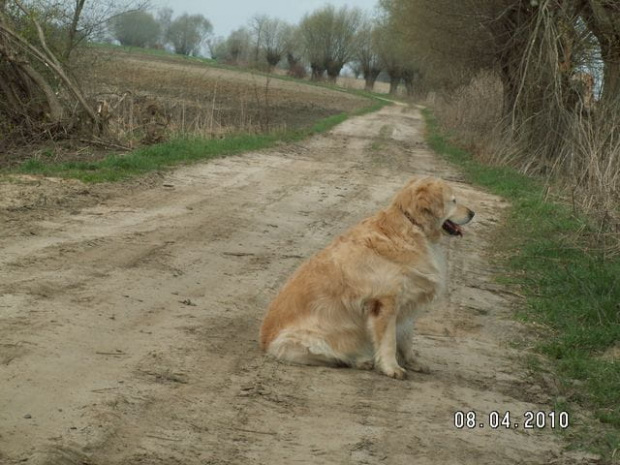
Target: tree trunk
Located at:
point(610, 53)
point(370, 77)
point(409, 76)
point(317, 72)
point(292, 60)
point(603, 19)
point(54, 110)
point(333, 71)
point(11, 95)
point(394, 82)
point(395, 72)
point(369, 83)
point(70, 43)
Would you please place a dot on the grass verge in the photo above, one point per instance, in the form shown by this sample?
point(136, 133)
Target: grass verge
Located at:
point(178, 151)
point(570, 287)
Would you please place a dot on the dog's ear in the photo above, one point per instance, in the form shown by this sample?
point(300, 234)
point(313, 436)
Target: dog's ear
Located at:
point(404, 199)
point(422, 200)
point(428, 202)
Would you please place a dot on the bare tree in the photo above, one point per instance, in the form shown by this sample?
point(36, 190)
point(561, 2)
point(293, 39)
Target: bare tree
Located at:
point(276, 35)
point(329, 39)
point(367, 52)
point(293, 47)
point(136, 28)
point(237, 46)
point(315, 35)
point(390, 54)
point(73, 28)
point(164, 18)
point(256, 26)
point(85, 20)
point(188, 32)
point(217, 47)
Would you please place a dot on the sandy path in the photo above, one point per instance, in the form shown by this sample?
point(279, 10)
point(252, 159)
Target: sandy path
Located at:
point(128, 330)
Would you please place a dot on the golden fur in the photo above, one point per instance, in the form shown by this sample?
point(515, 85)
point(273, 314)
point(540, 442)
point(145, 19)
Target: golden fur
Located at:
point(354, 303)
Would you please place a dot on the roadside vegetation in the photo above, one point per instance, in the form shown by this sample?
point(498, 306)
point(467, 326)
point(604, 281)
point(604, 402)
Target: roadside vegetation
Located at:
point(529, 93)
point(570, 285)
point(177, 151)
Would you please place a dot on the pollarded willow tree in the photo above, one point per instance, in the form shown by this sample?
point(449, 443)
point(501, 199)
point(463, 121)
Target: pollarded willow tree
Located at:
point(367, 51)
point(276, 40)
point(329, 38)
point(187, 33)
point(136, 29)
point(271, 39)
point(237, 47)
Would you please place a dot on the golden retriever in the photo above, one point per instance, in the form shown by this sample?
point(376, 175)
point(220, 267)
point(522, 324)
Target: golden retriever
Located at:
point(353, 303)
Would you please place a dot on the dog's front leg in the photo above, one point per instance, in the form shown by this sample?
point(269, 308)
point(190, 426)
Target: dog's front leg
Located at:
point(404, 339)
point(382, 325)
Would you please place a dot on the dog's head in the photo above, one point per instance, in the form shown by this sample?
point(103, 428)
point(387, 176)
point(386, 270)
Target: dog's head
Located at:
point(431, 204)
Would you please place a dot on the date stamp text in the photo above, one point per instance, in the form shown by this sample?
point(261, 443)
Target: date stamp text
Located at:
point(529, 420)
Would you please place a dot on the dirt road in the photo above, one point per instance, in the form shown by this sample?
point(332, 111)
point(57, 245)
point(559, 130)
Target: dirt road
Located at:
point(129, 321)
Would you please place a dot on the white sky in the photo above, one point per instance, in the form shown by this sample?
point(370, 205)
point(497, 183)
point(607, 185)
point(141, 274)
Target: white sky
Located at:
point(228, 15)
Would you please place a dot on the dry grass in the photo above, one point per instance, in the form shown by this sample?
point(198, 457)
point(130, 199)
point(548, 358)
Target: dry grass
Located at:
point(472, 112)
point(585, 171)
point(358, 84)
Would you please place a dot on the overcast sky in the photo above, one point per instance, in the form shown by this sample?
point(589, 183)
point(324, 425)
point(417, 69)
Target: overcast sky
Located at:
point(228, 15)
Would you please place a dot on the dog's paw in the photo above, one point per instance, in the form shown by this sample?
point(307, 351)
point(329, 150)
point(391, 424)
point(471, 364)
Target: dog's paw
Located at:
point(417, 366)
point(396, 372)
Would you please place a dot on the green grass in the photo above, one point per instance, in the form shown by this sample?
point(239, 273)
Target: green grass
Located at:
point(570, 287)
point(177, 151)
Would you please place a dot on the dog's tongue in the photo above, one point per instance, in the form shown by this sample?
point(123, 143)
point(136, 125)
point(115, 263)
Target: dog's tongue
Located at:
point(452, 228)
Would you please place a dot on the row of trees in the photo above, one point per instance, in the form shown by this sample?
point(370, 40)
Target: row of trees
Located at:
point(536, 44)
point(557, 66)
point(325, 41)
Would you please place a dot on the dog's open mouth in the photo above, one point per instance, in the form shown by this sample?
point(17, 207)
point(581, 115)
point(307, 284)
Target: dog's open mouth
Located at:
point(452, 228)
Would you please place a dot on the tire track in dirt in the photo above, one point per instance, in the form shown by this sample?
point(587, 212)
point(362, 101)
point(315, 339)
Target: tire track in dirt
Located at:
point(129, 329)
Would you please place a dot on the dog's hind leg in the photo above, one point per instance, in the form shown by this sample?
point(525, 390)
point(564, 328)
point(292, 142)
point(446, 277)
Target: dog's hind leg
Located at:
point(306, 348)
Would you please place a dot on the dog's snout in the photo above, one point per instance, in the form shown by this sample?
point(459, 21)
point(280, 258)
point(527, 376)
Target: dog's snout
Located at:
point(470, 213)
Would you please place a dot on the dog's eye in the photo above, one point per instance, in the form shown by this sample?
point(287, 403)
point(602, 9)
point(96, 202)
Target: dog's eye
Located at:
point(454, 200)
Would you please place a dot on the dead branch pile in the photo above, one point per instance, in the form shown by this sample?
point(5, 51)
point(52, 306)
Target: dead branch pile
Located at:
point(37, 97)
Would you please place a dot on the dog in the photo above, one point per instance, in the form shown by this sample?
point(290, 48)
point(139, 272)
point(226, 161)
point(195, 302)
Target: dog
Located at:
point(353, 304)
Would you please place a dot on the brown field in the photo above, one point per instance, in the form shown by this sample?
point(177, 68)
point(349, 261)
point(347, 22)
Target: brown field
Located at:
point(147, 98)
point(191, 97)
